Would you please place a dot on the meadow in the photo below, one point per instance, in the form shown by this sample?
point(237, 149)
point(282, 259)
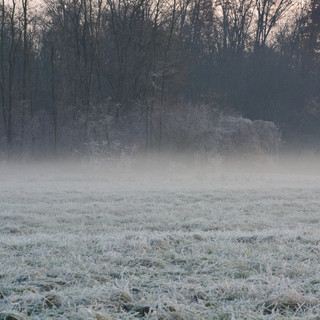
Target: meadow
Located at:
point(174, 240)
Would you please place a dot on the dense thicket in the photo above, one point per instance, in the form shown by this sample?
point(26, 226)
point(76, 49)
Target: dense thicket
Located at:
point(77, 72)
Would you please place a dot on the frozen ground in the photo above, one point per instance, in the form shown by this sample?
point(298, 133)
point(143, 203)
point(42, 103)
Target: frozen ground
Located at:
point(175, 241)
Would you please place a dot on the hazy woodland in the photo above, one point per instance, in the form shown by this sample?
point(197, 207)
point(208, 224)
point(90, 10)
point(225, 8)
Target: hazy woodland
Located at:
point(90, 76)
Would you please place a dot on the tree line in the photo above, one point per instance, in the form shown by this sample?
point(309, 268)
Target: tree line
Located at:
point(79, 70)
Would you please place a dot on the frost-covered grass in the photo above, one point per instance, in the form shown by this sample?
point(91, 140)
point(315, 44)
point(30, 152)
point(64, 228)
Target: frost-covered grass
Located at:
point(176, 241)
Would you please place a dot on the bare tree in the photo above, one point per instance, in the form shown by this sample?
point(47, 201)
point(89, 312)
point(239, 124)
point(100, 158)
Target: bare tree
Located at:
point(237, 18)
point(2, 61)
point(25, 65)
point(15, 34)
point(269, 12)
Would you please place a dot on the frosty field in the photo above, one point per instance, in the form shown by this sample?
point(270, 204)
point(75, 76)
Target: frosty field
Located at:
point(177, 241)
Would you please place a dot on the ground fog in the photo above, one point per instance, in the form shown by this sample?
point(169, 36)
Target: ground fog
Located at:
point(166, 239)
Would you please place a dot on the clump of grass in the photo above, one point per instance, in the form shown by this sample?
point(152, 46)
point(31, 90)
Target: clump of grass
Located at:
point(290, 301)
point(12, 316)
